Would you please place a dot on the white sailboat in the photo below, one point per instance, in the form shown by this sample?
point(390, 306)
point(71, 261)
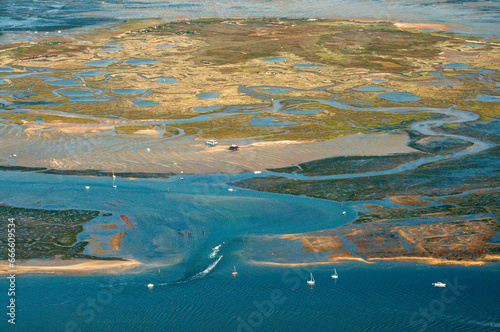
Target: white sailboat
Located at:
point(311, 282)
point(335, 275)
point(439, 284)
point(150, 285)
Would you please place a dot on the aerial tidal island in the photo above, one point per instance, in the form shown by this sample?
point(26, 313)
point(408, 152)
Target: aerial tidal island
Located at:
point(342, 110)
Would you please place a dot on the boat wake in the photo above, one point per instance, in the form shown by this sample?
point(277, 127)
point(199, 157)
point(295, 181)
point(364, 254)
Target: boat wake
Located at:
point(204, 272)
point(214, 252)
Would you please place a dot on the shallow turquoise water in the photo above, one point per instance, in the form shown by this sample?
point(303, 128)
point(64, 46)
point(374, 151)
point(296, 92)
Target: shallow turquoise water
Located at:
point(144, 103)
point(128, 91)
point(457, 66)
point(200, 294)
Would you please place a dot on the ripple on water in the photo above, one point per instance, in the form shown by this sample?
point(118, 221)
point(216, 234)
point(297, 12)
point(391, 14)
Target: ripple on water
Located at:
point(399, 96)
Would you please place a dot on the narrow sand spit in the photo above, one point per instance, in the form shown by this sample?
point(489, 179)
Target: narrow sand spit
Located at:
point(76, 266)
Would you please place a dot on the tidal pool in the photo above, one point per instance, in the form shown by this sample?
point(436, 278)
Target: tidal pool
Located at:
point(142, 61)
point(3, 82)
point(475, 45)
point(128, 91)
point(77, 93)
point(65, 83)
point(167, 80)
point(100, 63)
point(208, 95)
point(270, 121)
point(399, 96)
point(88, 99)
point(112, 44)
point(165, 46)
point(457, 65)
point(143, 103)
point(6, 69)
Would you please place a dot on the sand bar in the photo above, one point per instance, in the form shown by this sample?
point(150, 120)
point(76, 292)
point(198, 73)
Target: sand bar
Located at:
point(75, 267)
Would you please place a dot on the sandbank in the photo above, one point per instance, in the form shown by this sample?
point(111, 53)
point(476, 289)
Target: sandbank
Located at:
point(74, 267)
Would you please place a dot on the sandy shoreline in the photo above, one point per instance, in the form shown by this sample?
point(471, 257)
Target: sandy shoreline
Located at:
point(424, 260)
point(75, 267)
point(131, 154)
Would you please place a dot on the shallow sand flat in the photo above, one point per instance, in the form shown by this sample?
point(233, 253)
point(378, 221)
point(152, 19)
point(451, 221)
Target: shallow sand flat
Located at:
point(75, 266)
point(128, 153)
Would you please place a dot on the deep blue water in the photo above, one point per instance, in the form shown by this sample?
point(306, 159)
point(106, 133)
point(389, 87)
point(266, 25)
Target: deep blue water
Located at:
point(382, 296)
point(196, 294)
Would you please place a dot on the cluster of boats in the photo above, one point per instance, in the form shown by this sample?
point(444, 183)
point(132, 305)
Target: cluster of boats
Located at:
point(312, 281)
